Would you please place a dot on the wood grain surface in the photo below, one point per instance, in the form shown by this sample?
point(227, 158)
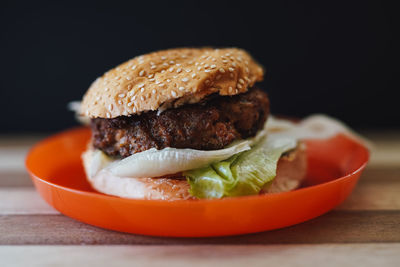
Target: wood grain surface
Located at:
point(363, 231)
point(327, 255)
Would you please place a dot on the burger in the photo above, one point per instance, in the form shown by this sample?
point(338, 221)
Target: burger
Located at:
point(187, 123)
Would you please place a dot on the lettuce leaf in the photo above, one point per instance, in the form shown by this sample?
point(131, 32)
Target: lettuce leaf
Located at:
point(245, 173)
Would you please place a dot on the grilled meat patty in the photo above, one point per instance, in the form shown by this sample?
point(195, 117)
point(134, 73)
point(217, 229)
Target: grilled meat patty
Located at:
point(209, 125)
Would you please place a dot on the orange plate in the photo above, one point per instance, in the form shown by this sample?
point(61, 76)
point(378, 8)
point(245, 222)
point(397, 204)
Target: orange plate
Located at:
point(56, 170)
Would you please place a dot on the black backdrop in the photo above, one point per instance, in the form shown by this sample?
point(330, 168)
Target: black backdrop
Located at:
point(323, 57)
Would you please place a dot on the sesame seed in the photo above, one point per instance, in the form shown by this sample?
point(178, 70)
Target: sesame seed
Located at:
point(110, 107)
point(98, 98)
point(153, 67)
point(117, 77)
point(231, 69)
point(206, 66)
point(207, 70)
point(181, 88)
point(239, 86)
point(153, 91)
point(142, 98)
point(230, 89)
point(157, 82)
point(241, 81)
point(141, 73)
point(133, 98)
point(168, 80)
point(224, 61)
point(106, 89)
point(120, 102)
point(185, 79)
point(163, 58)
point(198, 68)
point(213, 66)
point(196, 64)
point(234, 64)
point(150, 76)
point(188, 70)
point(130, 104)
point(178, 64)
point(128, 78)
point(134, 110)
point(247, 70)
point(179, 70)
point(172, 62)
point(239, 59)
point(152, 80)
point(222, 70)
point(142, 89)
point(171, 69)
point(121, 95)
point(133, 67)
point(193, 75)
point(161, 85)
point(152, 63)
point(162, 71)
point(165, 64)
point(141, 85)
point(108, 115)
point(173, 93)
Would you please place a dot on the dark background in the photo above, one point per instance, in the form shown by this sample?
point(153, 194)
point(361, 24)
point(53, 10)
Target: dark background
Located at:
point(339, 58)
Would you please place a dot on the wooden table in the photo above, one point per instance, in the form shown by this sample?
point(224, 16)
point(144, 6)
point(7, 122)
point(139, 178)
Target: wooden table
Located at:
point(363, 231)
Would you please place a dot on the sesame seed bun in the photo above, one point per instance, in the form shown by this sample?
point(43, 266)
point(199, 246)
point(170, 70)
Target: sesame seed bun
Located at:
point(168, 79)
point(291, 171)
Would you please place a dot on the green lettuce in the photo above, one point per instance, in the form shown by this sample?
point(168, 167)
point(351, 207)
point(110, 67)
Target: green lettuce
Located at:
point(242, 174)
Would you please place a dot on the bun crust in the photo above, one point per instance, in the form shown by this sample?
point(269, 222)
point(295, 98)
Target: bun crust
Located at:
point(291, 172)
point(168, 79)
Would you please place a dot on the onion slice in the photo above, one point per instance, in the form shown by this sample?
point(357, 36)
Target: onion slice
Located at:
point(154, 163)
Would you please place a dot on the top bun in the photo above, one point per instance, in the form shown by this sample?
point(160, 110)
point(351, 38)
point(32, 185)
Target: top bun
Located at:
point(170, 78)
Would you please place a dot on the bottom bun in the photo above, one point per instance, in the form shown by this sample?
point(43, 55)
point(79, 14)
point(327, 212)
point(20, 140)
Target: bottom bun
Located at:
point(291, 171)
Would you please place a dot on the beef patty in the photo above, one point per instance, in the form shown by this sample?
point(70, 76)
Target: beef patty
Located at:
point(209, 125)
